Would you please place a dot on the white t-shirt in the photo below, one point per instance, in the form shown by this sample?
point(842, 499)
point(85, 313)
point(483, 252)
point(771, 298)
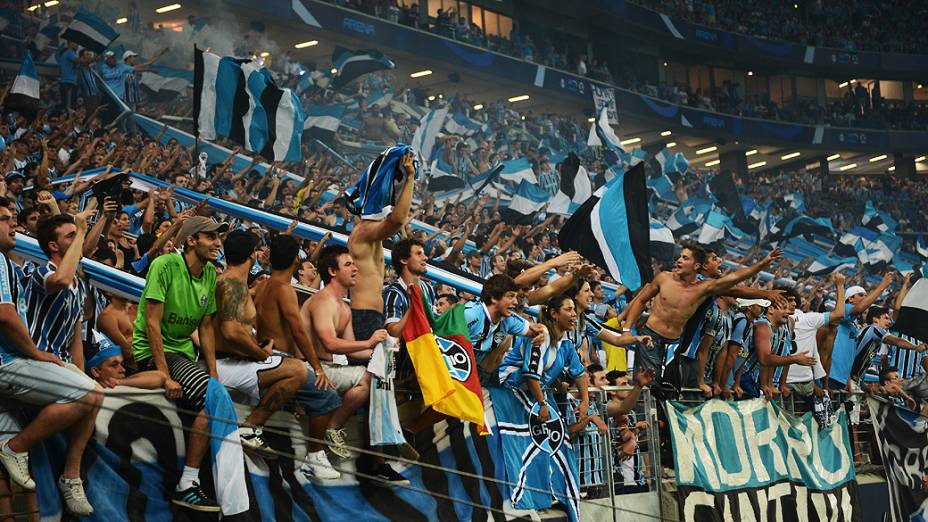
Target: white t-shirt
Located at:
point(804, 328)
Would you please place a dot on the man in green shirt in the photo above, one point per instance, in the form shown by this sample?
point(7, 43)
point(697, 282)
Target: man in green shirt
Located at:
point(180, 298)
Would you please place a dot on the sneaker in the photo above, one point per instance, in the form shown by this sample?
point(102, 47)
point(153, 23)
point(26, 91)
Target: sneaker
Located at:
point(335, 439)
point(194, 498)
point(384, 473)
point(17, 466)
point(75, 500)
point(253, 443)
point(317, 466)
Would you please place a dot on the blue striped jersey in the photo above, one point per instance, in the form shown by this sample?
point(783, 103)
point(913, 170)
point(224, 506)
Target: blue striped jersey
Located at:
point(485, 335)
point(867, 349)
point(785, 346)
point(588, 444)
point(752, 362)
point(53, 318)
point(909, 362)
point(11, 293)
point(396, 300)
point(545, 364)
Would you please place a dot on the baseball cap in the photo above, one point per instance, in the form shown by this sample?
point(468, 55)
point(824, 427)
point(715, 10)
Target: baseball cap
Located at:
point(854, 290)
point(129, 54)
point(107, 54)
point(14, 174)
point(197, 224)
point(763, 303)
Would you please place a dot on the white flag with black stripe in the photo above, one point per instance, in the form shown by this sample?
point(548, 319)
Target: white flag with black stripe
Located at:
point(90, 31)
point(239, 100)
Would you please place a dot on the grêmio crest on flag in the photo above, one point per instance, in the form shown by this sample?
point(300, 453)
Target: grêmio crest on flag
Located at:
point(749, 460)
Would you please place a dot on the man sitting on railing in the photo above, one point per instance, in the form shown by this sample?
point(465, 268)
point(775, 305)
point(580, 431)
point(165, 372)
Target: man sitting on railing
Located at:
point(245, 364)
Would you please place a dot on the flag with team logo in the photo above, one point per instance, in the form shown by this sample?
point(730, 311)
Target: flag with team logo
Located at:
point(538, 456)
point(444, 360)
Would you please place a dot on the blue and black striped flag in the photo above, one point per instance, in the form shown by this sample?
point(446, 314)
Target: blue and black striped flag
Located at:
point(90, 31)
point(350, 64)
point(612, 229)
point(238, 99)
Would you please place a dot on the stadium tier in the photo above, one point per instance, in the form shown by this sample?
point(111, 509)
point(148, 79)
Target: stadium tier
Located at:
point(460, 260)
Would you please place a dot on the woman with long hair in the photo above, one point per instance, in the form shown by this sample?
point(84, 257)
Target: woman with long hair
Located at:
point(588, 330)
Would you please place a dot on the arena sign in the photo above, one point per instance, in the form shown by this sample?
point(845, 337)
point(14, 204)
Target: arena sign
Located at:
point(749, 460)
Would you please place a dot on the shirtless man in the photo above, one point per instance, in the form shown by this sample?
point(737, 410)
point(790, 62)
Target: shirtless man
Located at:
point(365, 244)
point(343, 357)
point(279, 320)
point(677, 295)
point(115, 322)
point(243, 364)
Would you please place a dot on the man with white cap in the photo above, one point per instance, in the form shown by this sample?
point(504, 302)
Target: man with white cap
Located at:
point(742, 333)
point(837, 344)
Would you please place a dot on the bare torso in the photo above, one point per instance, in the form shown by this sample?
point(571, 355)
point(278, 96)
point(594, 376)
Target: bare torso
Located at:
point(674, 304)
point(367, 294)
point(270, 322)
point(335, 310)
point(233, 301)
point(122, 317)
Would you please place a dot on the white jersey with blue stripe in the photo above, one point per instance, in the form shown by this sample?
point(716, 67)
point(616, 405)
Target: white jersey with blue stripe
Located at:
point(53, 318)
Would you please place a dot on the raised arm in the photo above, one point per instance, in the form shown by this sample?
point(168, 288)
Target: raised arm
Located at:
point(838, 313)
point(400, 214)
point(62, 277)
point(724, 283)
point(648, 292)
point(862, 305)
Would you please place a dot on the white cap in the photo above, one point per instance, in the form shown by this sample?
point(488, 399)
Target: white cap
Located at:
point(743, 303)
point(107, 54)
point(854, 290)
point(128, 54)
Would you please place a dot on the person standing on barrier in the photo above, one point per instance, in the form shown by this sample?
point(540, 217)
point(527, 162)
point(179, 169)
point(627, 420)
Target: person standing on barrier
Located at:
point(68, 399)
point(677, 295)
point(179, 299)
point(381, 218)
point(588, 329)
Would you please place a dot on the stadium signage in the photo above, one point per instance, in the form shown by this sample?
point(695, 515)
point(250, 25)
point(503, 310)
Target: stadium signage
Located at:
point(358, 26)
point(749, 460)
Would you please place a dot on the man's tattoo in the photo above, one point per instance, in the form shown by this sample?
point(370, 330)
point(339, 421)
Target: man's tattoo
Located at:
point(231, 302)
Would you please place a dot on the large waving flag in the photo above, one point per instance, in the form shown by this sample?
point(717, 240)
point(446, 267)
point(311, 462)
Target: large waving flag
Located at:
point(163, 78)
point(350, 64)
point(460, 124)
point(444, 360)
point(528, 199)
point(226, 450)
point(612, 229)
point(517, 170)
point(672, 163)
point(90, 31)
point(441, 176)
point(716, 225)
point(876, 220)
point(913, 315)
point(662, 241)
point(239, 100)
point(424, 138)
point(807, 227)
point(322, 120)
point(575, 187)
point(723, 189)
point(827, 265)
point(48, 32)
point(26, 83)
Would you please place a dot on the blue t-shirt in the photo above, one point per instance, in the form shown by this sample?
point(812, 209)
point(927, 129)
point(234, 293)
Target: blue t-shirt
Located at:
point(485, 335)
point(68, 67)
point(11, 293)
point(544, 364)
point(842, 355)
point(115, 77)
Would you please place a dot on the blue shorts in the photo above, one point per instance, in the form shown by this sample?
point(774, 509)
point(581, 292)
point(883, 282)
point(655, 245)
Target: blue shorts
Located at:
point(749, 385)
point(316, 401)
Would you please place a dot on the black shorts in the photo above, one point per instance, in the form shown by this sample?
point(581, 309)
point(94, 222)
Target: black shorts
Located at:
point(364, 323)
point(655, 356)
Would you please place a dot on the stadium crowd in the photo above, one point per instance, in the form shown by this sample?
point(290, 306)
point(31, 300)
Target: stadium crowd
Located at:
point(858, 26)
point(220, 300)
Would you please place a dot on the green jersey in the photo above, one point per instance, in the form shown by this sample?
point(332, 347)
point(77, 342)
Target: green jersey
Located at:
point(186, 299)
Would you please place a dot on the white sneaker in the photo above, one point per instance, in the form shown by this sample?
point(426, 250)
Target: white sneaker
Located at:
point(17, 466)
point(253, 442)
point(335, 439)
point(75, 500)
point(317, 466)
